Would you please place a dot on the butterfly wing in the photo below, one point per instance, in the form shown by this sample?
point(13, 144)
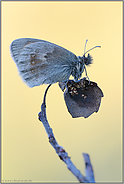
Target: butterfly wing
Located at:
point(40, 62)
point(17, 46)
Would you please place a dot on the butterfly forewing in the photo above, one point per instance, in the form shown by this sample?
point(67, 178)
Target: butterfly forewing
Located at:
point(17, 46)
point(40, 62)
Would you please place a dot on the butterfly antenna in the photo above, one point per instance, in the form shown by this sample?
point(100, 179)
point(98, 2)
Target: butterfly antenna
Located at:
point(85, 45)
point(92, 49)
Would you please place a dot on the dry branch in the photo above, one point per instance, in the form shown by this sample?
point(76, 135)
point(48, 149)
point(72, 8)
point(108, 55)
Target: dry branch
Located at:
point(63, 155)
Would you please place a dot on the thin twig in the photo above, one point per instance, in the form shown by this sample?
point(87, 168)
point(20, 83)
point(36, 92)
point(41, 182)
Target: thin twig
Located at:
point(63, 155)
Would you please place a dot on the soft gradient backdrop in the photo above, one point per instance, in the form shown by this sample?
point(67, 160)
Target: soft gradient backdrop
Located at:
point(26, 152)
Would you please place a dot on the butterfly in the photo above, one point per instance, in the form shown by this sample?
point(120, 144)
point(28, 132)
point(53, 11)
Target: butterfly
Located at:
point(42, 62)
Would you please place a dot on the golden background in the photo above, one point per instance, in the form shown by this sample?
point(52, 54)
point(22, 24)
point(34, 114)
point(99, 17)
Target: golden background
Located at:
point(26, 152)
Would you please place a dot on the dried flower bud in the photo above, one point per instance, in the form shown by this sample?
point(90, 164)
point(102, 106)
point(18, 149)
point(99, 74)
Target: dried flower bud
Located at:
point(82, 98)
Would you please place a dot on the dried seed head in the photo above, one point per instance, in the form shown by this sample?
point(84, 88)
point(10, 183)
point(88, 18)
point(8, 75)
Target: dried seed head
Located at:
point(84, 100)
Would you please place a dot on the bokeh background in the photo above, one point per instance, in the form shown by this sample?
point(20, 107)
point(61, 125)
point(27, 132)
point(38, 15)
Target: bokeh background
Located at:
point(26, 153)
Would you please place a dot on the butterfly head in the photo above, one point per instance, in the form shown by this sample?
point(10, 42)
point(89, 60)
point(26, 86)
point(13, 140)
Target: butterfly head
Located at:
point(82, 61)
point(79, 68)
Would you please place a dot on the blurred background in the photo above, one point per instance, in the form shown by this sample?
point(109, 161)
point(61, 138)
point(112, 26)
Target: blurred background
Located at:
point(26, 153)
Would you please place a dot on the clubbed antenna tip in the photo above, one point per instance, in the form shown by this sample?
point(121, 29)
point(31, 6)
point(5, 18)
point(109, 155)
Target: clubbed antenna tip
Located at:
point(92, 49)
